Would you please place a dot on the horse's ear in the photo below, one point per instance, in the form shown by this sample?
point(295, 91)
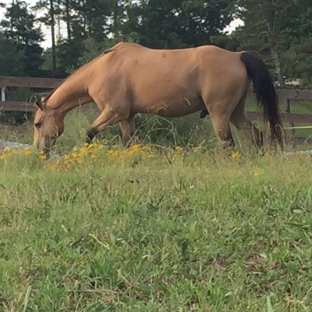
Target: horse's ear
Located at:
point(39, 104)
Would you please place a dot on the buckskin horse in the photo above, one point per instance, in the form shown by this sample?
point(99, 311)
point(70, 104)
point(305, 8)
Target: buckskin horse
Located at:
point(129, 79)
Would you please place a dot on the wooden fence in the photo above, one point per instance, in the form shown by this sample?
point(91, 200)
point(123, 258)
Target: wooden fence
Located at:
point(46, 84)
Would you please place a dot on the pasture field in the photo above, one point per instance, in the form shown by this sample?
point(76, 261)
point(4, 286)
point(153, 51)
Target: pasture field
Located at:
point(169, 225)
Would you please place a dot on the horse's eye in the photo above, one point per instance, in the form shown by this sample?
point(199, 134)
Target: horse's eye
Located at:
point(38, 124)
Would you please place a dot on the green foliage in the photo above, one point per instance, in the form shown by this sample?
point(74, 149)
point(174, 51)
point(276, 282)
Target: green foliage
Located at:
point(297, 62)
point(91, 49)
point(11, 59)
point(224, 41)
point(176, 23)
point(19, 26)
point(68, 53)
point(278, 26)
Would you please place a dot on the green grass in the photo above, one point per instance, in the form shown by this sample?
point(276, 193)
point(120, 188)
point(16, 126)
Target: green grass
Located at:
point(179, 231)
point(158, 237)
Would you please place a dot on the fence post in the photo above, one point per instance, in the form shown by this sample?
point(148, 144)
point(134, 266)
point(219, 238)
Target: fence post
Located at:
point(290, 124)
point(3, 94)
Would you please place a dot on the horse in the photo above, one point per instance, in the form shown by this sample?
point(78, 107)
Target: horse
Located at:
point(129, 78)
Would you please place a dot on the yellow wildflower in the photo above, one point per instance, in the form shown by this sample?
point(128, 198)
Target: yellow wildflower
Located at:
point(111, 152)
point(235, 154)
point(256, 173)
point(6, 149)
point(27, 150)
point(134, 148)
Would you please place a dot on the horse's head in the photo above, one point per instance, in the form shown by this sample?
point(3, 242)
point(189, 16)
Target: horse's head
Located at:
point(48, 126)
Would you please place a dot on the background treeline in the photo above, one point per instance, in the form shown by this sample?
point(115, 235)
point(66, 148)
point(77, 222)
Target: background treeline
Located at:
point(280, 31)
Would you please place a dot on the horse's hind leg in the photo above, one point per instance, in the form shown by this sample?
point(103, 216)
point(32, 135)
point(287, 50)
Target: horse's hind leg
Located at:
point(221, 126)
point(127, 128)
point(241, 122)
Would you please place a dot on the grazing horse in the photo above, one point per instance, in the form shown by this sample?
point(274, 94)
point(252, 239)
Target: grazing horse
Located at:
point(129, 79)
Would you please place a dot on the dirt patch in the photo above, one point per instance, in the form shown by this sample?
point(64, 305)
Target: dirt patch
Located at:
point(10, 144)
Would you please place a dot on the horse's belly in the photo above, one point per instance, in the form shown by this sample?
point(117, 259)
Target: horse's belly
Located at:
point(175, 108)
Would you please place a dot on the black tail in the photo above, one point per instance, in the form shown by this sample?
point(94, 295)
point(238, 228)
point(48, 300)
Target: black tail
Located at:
point(265, 93)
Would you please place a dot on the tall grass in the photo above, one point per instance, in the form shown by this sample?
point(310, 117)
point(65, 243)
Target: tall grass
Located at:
point(185, 131)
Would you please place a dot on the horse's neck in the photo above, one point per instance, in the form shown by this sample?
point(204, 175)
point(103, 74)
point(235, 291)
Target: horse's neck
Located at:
point(71, 93)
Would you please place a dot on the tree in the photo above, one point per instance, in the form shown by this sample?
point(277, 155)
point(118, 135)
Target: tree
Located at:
point(176, 23)
point(297, 30)
point(11, 59)
point(84, 20)
point(19, 26)
point(49, 20)
point(275, 29)
point(89, 18)
point(66, 6)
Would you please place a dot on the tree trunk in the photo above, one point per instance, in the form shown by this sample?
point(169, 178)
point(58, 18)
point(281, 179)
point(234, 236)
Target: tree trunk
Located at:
point(280, 78)
point(277, 64)
point(59, 32)
point(68, 19)
point(53, 38)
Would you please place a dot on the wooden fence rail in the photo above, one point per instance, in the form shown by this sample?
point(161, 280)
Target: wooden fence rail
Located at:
point(50, 83)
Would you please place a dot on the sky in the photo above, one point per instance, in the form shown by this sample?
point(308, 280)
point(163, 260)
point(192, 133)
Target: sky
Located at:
point(47, 33)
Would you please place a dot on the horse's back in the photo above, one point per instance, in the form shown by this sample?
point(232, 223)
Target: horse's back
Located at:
point(170, 78)
point(136, 60)
point(145, 68)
